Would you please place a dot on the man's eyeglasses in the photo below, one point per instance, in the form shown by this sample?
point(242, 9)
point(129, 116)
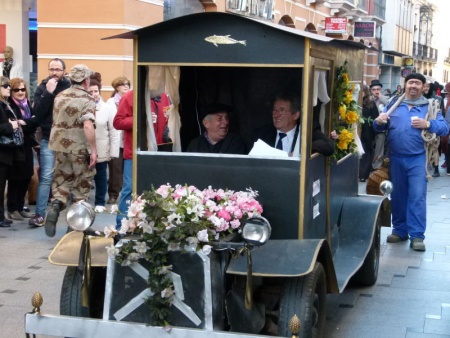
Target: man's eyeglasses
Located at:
point(55, 70)
point(16, 90)
point(6, 86)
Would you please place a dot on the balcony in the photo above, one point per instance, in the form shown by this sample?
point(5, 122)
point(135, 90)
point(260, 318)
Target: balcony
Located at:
point(424, 53)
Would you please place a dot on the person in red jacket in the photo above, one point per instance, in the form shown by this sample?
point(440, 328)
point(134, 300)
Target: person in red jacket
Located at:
point(124, 121)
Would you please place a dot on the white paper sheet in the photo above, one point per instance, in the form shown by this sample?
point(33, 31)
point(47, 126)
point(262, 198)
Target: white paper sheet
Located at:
point(261, 148)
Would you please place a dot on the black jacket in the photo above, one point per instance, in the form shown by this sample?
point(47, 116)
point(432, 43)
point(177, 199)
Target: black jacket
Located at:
point(231, 144)
point(6, 154)
point(23, 165)
point(43, 105)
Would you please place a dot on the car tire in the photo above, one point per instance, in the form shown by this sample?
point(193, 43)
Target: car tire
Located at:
point(70, 300)
point(305, 297)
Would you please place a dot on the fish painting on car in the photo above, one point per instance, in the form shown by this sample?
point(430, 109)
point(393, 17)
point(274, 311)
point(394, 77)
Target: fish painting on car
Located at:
point(223, 40)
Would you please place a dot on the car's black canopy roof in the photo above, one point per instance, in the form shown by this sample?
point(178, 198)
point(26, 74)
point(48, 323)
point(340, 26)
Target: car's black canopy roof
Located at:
point(182, 40)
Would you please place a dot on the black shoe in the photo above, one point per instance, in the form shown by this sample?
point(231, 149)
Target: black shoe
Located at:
point(5, 223)
point(52, 218)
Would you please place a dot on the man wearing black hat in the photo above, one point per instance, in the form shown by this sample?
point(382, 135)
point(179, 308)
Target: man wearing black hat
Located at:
point(380, 138)
point(216, 138)
point(408, 159)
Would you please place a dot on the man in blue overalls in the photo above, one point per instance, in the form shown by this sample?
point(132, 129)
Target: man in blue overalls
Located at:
point(408, 161)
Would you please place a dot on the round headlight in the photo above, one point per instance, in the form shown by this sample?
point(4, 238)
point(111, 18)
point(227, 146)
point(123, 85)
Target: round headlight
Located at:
point(256, 230)
point(80, 216)
point(386, 187)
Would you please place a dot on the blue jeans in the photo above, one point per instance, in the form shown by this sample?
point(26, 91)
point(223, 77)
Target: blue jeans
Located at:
point(408, 199)
point(101, 183)
point(125, 193)
point(46, 163)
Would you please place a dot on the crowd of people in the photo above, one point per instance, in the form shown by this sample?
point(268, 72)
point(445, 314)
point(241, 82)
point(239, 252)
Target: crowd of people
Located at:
point(68, 131)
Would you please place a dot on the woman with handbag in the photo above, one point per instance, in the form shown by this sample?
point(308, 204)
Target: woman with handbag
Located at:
point(19, 175)
point(8, 125)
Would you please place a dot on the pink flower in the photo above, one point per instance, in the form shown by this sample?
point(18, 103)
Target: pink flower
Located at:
point(235, 224)
point(224, 214)
point(164, 190)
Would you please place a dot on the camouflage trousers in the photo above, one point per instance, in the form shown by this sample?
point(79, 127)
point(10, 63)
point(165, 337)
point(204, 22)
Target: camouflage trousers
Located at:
point(71, 176)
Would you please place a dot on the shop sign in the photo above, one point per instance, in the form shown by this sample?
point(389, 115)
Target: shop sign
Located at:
point(408, 62)
point(364, 29)
point(336, 25)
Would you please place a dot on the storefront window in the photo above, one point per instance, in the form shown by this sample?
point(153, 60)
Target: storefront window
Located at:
point(177, 8)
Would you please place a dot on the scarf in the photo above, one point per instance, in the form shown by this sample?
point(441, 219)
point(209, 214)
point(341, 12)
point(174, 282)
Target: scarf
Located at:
point(117, 98)
point(421, 101)
point(7, 65)
point(24, 107)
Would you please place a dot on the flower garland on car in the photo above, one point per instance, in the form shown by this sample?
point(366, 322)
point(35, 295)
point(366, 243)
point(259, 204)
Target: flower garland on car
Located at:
point(349, 115)
point(178, 218)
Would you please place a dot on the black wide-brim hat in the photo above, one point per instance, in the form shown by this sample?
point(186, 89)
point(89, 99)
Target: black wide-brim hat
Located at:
point(215, 108)
point(375, 83)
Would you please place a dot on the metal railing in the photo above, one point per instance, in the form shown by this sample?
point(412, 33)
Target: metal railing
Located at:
point(424, 52)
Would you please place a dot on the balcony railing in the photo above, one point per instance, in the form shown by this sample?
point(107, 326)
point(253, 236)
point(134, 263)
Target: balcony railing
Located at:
point(424, 52)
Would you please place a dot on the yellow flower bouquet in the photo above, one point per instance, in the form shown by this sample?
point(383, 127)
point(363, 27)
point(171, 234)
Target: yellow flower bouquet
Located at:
point(348, 115)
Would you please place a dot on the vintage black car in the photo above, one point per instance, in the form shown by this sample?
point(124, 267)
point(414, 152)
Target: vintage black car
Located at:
point(324, 234)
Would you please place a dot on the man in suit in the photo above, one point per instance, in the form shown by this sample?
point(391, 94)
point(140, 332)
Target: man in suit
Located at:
point(284, 133)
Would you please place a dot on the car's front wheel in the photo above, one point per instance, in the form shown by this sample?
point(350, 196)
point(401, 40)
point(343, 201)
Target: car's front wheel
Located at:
point(71, 293)
point(305, 297)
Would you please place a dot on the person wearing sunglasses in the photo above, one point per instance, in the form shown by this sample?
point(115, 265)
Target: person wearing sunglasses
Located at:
point(121, 86)
point(8, 123)
point(44, 97)
point(22, 170)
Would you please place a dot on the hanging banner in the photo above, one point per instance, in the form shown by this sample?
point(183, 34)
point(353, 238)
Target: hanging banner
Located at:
point(364, 29)
point(336, 25)
point(2, 39)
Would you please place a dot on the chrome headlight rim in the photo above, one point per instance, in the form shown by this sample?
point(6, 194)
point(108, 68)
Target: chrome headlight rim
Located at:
point(256, 231)
point(80, 216)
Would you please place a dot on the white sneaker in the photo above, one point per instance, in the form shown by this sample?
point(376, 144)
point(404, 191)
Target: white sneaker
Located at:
point(100, 208)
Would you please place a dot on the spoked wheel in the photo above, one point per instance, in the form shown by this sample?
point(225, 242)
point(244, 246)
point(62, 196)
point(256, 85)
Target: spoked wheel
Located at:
point(305, 297)
point(368, 273)
point(70, 301)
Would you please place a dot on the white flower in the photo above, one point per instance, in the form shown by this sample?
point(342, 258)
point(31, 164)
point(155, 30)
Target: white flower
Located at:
point(147, 228)
point(114, 209)
point(192, 241)
point(167, 293)
point(164, 270)
point(173, 247)
point(202, 235)
point(206, 249)
point(174, 217)
point(141, 247)
point(134, 256)
point(110, 231)
point(112, 250)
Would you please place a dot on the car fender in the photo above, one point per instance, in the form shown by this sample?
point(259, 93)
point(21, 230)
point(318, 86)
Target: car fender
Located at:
point(288, 258)
point(67, 251)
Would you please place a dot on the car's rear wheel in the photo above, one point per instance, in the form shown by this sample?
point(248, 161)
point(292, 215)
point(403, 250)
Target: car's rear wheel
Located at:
point(306, 298)
point(70, 300)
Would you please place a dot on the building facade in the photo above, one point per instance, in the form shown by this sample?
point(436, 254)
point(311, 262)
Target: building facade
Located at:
point(69, 31)
point(424, 52)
